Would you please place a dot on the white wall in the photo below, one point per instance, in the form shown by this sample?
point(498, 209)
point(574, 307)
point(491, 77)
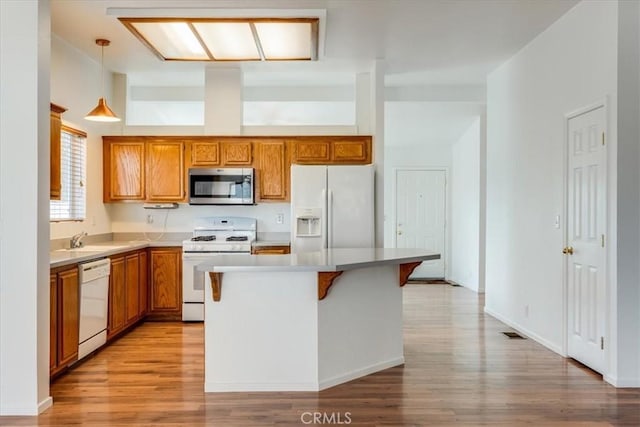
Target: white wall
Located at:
point(465, 209)
point(75, 85)
point(625, 330)
point(24, 210)
point(132, 217)
point(570, 65)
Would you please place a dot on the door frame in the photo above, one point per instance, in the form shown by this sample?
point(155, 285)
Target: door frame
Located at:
point(447, 210)
point(602, 103)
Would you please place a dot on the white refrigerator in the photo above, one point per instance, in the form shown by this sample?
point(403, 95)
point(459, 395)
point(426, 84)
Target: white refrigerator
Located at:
point(332, 207)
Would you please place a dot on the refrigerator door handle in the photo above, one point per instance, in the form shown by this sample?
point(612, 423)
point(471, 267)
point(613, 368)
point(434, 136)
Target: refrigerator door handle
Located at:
point(324, 226)
point(330, 219)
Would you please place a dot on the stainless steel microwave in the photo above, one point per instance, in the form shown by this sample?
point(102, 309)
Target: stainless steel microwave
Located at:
point(223, 186)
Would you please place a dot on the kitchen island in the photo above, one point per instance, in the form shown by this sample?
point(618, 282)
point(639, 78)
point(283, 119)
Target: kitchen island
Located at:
point(306, 321)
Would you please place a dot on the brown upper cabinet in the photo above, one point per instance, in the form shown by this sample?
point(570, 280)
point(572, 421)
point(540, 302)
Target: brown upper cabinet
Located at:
point(331, 150)
point(236, 152)
point(55, 119)
point(123, 169)
point(311, 152)
point(154, 168)
point(272, 170)
point(220, 152)
point(140, 170)
point(351, 151)
point(205, 153)
point(165, 171)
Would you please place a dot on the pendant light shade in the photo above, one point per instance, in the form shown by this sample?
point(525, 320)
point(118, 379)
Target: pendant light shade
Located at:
point(102, 112)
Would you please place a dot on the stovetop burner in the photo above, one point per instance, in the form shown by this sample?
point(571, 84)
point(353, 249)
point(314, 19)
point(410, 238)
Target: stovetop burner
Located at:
point(203, 238)
point(237, 239)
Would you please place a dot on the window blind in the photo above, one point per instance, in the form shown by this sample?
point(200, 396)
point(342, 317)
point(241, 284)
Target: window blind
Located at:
point(73, 153)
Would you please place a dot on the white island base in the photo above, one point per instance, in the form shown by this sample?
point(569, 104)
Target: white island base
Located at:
point(282, 325)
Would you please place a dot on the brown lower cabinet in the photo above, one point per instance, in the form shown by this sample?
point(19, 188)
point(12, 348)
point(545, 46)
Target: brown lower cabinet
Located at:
point(165, 283)
point(126, 282)
point(65, 317)
point(143, 284)
point(271, 250)
point(143, 289)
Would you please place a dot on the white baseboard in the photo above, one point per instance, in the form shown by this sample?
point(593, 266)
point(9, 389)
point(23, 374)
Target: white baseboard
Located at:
point(524, 331)
point(29, 410)
point(343, 378)
point(215, 387)
point(45, 404)
point(622, 382)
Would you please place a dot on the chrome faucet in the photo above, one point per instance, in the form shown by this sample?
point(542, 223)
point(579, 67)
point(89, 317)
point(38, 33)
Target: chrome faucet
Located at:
point(76, 240)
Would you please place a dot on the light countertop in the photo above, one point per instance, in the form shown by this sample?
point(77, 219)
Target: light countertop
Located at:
point(62, 257)
point(325, 260)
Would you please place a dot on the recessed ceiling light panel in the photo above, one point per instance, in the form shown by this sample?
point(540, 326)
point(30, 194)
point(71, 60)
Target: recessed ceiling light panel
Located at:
point(285, 40)
point(228, 41)
point(172, 40)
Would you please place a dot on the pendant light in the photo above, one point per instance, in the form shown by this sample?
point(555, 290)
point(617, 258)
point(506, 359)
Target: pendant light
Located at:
point(102, 113)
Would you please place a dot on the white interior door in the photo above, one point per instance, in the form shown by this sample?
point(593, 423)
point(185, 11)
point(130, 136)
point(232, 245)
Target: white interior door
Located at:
point(420, 216)
point(585, 253)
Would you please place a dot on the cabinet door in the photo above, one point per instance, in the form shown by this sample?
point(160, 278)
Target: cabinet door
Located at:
point(357, 151)
point(55, 121)
point(132, 282)
point(165, 281)
point(311, 152)
point(165, 171)
point(53, 322)
point(117, 281)
point(271, 250)
point(68, 316)
point(273, 170)
point(205, 153)
point(143, 289)
point(123, 169)
point(236, 153)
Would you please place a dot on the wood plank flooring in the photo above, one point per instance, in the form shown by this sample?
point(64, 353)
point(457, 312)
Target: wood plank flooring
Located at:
point(460, 370)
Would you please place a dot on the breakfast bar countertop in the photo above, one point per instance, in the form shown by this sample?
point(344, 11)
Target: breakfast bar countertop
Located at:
point(325, 260)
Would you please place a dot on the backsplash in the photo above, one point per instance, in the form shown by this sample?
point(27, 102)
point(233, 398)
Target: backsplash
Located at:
point(132, 217)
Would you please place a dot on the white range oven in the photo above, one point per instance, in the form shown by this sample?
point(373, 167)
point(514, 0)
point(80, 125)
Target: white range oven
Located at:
point(211, 236)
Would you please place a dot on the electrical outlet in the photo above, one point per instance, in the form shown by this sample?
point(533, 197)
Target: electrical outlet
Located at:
point(280, 218)
point(149, 219)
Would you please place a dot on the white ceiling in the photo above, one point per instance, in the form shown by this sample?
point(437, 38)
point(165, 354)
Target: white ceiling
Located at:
point(435, 123)
point(418, 41)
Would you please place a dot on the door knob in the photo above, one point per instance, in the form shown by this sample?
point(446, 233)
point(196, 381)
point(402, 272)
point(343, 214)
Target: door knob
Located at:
point(568, 250)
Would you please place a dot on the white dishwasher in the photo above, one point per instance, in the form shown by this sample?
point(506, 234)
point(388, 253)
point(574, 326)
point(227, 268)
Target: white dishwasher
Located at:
point(94, 303)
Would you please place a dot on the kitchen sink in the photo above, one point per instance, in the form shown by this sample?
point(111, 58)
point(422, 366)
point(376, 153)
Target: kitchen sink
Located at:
point(93, 248)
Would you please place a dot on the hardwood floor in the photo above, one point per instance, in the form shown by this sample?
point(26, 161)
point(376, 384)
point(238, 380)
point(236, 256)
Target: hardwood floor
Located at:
point(460, 370)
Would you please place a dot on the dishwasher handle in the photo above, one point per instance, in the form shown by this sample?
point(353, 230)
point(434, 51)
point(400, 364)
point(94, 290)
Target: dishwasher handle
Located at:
point(94, 270)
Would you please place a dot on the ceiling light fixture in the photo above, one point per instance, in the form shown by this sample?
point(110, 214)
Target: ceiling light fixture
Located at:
point(102, 113)
point(228, 39)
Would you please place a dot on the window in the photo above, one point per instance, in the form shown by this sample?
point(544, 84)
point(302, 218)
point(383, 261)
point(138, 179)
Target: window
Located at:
point(73, 153)
point(299, 113)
